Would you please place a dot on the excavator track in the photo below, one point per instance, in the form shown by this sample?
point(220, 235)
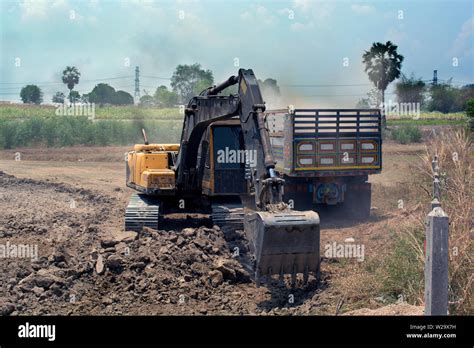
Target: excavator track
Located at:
point(142, 211)
point(228, 216)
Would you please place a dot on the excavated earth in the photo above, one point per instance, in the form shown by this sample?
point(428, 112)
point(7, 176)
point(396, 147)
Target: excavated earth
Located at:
point(87, 265)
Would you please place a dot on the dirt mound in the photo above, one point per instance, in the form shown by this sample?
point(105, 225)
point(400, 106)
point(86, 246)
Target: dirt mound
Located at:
point(84, 265)
point(393, 309)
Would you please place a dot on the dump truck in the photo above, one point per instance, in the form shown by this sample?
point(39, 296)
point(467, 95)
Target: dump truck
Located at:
point(224, 166)
point(325, 157)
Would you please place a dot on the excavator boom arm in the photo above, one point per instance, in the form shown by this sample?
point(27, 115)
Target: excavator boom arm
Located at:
point(281, 240)
point(249, 106)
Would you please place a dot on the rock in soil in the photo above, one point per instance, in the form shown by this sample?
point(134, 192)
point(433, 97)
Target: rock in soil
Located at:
point(99, 266)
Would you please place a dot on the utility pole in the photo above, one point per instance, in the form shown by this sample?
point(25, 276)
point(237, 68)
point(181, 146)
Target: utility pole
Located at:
point(137, 82)
point(435, 77)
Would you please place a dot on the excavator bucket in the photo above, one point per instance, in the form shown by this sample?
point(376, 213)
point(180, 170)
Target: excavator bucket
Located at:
point(284, 243)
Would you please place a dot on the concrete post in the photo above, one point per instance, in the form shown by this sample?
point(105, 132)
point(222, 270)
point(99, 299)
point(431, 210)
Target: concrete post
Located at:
point(437, 187)
point(436, 263)
point(435, 203)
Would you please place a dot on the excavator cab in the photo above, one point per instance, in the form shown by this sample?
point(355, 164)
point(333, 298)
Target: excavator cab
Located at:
point(224, 172)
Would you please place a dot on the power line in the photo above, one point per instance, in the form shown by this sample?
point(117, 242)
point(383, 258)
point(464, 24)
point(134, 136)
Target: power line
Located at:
point(333, 95)
point(156, 77)
point(337, 95)
point(31, 83)
point(330, 85)
point(61, 83)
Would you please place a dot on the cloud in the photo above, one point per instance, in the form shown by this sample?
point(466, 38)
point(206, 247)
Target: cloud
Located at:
point(258, 14)
point(285, 12)
point(313, 12)
point(39, 8)
point(462, 45)
point(145, 8)
point(297, 27)
point(395, 35)
point(33, 8)
point(363, 9)
point(307, 14)
point(93, 4)
point(303, 5)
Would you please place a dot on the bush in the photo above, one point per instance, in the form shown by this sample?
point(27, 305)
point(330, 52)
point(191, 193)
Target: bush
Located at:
point(470, 108)
point(470, 113)
point(61, 131)
point(407, 134)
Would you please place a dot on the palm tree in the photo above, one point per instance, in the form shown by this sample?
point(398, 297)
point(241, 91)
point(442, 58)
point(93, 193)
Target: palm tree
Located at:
point(71, 78)
point(383, 65)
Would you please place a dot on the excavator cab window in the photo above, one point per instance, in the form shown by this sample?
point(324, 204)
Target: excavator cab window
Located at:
point(229, 159)
point(228, 147)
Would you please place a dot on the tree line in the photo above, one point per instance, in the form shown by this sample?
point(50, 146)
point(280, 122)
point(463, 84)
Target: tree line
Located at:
point(186, 82)
point(190, 80)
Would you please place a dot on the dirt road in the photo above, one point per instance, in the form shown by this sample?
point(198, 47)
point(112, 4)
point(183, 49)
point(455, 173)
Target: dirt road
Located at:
point(71, 207)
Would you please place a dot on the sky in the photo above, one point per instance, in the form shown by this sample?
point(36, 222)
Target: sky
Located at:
point(296, 42)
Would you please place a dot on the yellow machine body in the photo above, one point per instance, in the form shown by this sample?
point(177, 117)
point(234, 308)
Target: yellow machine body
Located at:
point(149, 167)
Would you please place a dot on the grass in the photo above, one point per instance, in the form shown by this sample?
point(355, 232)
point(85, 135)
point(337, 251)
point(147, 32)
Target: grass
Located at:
point(403, 268)
point(406, 134)
point(38, 125)
point(429, 119)
point(133, 113)
point(396, 272)
point(426, 122)
point(401, 272)
point(431, 116)
point(454, 149)
point(130, 112)
point(13, 111)
point(60, 131)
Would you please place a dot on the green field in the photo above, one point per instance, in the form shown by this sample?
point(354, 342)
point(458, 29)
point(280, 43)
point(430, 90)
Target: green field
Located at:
point(26, 125)
point(38, 125)
point(427, 122)
point(20, 111)
point(429, 119)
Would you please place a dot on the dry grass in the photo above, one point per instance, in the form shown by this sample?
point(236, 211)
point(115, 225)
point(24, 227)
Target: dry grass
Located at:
point(397, 273)
point(455, 159)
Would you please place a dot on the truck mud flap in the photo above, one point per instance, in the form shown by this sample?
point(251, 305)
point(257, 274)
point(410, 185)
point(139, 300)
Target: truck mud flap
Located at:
point(284, 243)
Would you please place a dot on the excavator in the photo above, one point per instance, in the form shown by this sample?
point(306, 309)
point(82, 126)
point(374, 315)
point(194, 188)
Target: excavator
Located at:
point(224, 166)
